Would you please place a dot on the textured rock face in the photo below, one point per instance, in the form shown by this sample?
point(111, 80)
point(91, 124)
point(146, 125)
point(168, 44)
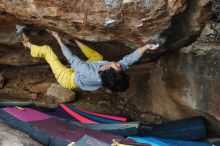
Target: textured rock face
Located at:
point(183, 84)
point(190, 80)
point(61, 94)
point(132, 21)
point(1, 81)
point(9, 137)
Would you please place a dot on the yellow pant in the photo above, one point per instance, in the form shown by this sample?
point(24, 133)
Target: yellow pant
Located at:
point(63, 74)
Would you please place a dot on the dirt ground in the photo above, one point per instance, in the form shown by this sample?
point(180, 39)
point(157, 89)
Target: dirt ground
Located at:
point(27, 83)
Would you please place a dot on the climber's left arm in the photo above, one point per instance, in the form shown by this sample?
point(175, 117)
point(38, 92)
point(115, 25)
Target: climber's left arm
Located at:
point(75, 61)
point(136, 55)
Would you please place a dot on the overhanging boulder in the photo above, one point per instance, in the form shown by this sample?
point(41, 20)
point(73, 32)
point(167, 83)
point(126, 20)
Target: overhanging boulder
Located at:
point(128, 21)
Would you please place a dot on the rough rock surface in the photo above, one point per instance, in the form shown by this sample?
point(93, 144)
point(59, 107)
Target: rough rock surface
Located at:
point(1, 81)
point(183, 84)
point(61, 94)
point(130, 21)
point(12, 137)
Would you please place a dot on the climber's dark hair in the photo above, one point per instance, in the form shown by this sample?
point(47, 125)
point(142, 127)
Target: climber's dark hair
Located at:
point(115, 81)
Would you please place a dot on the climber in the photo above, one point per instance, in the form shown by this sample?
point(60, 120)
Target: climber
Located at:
point(91, 74)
